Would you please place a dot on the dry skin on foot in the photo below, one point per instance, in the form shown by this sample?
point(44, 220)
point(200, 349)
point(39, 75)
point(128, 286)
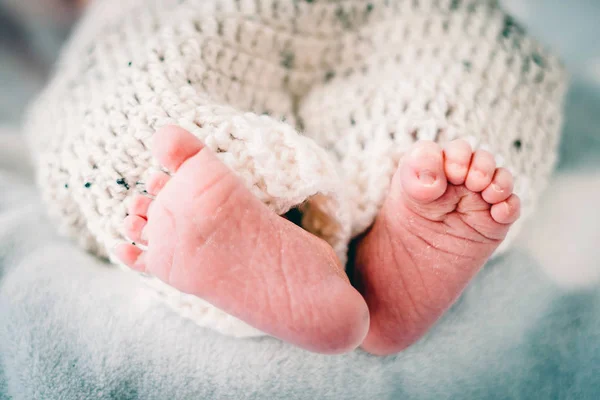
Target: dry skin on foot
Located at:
point(207, 235)
point(446, 213)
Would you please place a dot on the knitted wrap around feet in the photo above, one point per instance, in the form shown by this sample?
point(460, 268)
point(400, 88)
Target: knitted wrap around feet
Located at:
point(311, 103)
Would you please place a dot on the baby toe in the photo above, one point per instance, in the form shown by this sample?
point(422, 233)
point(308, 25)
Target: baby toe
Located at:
point(134, 226)
point(422, 176)
point(173, 145)
point(508, 211)
point(501, 187)
point(457, 156)
point(139, 205)
point(131, 256)
point(156, 182)
point(481, 171)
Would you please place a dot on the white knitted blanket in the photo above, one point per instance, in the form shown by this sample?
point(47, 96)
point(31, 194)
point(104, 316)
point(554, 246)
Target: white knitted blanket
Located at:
point(312, 103)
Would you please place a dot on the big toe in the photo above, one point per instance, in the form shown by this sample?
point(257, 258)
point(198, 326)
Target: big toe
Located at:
point(173, 145)
point(421, 174)
point(133, 227)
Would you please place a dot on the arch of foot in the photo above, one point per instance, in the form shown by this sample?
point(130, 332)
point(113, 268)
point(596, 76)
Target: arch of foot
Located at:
point(463, 70)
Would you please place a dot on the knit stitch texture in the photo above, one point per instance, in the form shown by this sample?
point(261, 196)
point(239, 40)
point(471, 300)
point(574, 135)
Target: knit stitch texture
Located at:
point(311, 102)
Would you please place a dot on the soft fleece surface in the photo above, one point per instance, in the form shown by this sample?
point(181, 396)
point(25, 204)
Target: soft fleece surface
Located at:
point(527, 327)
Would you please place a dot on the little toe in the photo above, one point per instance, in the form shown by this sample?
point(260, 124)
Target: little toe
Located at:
point(508, 211)
point(421, 174)
point(156, 182)
point(139, 205)
point(134, 226)
point(501, 187)
point(131, 256)
point(173, 145)
point(481, 171)
point(457, 155)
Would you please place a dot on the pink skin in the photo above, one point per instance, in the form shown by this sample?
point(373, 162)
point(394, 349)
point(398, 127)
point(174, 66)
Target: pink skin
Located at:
point(207, 235)
point(447, 211)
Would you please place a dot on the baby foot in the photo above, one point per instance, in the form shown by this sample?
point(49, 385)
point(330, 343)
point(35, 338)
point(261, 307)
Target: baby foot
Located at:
point(207, 235)
point(446, 213)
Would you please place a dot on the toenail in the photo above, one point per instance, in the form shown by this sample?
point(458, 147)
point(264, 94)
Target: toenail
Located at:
point(426, 177)
point(481, 174)
point(497, 187)
point(458, 167)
